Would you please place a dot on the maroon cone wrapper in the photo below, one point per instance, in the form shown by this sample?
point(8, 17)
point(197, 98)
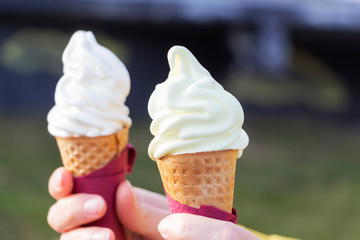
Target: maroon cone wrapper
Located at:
point(204, 210)
point(104, 182)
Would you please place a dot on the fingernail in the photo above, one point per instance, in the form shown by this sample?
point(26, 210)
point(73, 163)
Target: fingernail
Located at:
point(93, 206)
point(58, 182)
point(163, 228)
point(101, 235)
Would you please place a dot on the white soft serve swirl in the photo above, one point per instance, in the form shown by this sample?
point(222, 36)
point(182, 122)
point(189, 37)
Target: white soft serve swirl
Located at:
point(90, 96)
point(192, 112)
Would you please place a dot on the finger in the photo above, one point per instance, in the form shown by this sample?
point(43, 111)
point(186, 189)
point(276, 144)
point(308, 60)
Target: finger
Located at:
point(75, 210)
point(192, 227)
point(152, 198)
point(93, 233)
point(141, 217)
point(60, 183)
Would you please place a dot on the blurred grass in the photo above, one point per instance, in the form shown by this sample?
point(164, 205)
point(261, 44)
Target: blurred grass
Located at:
point(298, 177)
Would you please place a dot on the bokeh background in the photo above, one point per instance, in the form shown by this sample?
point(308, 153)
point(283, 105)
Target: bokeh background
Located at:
point(294, 66)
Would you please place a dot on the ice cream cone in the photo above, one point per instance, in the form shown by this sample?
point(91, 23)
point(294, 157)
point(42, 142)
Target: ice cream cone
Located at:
point(82, 155)
point(204, 178)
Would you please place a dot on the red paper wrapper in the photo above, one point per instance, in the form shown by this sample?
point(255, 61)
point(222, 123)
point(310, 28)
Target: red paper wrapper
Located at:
point(204, 210)
point(104, 182)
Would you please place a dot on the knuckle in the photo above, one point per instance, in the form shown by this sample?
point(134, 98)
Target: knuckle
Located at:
point(53, 219)
point(182, 229)
point(225, 233)
point(68, 216)
point(145, 218)
point(59, 217)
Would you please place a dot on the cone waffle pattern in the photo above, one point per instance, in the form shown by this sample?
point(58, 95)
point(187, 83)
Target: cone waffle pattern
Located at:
point(205, 178)
point(82, 155)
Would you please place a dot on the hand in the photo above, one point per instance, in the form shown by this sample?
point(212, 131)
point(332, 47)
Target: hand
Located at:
point(70, 211)
point(147, 210)
point(184, 226)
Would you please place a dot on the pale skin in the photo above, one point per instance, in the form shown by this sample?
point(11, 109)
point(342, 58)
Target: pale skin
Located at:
point(150, 217)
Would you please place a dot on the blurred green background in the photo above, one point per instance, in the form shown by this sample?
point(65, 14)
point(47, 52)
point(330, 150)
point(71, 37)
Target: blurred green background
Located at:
point(299, 175)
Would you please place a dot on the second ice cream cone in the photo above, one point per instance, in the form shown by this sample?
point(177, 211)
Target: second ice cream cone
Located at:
point(82, 155)
point(204, 178)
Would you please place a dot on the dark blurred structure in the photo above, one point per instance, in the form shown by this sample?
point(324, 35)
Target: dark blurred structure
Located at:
point(252, 35)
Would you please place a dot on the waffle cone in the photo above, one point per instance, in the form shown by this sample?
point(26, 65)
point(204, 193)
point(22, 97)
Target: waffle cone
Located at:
point(82, 155)
point(204, 178)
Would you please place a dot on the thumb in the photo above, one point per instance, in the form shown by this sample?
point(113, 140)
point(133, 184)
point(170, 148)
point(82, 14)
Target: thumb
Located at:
point(183, 226)
point(140, 210)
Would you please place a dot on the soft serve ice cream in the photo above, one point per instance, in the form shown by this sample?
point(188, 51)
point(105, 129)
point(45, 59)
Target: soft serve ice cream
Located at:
point(91, 124)
point(192, 112)
point(90, 96)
